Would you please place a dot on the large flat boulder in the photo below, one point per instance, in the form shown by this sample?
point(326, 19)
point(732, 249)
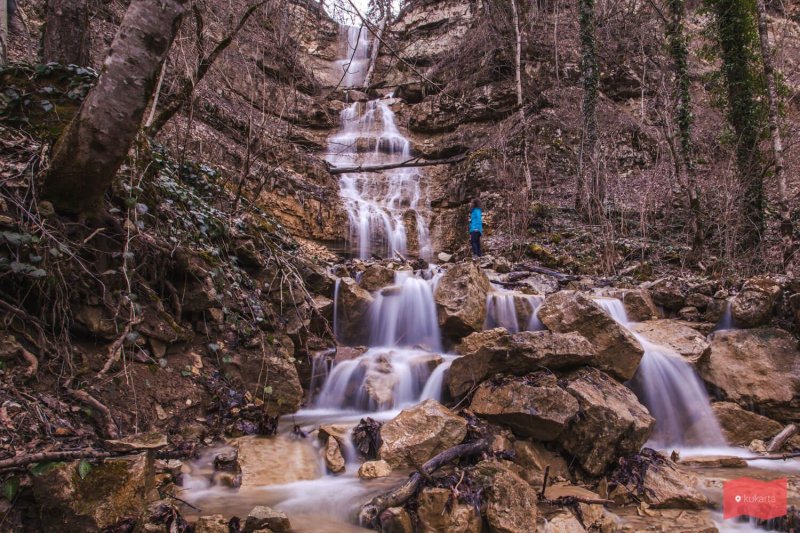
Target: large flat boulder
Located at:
point(532, 406)
point(611, 423)
point(674, 334)
point(510, 501)
point(352, 308)
point(499, 352)
point(665, 484)
point(437, 513)
point(618, 351)
point(461, 300)
point(753, 305)
point(419, 433)
point(74, 498)
point(741, 427)
point(757, 368)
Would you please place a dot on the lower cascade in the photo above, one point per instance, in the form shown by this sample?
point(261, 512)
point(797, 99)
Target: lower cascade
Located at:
point(671, 390)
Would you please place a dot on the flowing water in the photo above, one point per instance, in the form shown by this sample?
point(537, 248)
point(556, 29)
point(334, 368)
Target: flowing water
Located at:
point(388, 211)
point(512, 310)
point(672, 391)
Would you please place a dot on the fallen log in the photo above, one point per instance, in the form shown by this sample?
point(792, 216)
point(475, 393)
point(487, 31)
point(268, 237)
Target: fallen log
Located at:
point(547, 272)
point(372, 509)
point(410, 163)
point(780, 439)
point(46, 457)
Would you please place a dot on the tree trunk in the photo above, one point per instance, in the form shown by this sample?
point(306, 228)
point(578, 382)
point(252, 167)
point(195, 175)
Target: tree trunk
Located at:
point(66, 32)
point(3, 31)
point(679, 51)
point(518, 69)
point(787, 231)
point(386, 13)
point(589, 202)
point(94, 145)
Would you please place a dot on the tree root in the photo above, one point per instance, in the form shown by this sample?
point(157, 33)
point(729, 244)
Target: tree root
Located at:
point(111, 430)
point(116, 347)
point(33, 363)
point(371, 510)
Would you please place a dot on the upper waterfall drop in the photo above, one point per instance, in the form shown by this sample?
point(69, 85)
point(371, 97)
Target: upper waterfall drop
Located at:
point(388, 211)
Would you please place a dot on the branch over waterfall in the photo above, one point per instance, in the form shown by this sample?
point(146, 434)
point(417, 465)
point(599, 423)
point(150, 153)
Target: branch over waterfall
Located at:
point(410, 163)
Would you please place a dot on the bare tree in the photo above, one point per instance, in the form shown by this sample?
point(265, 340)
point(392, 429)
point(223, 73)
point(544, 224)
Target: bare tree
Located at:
point(4, 31)
point(589, 202)
point(204, 63)
point(518, 79)
point(384, 8)
point(787, 231)
point(96, 142)
point(66, 32)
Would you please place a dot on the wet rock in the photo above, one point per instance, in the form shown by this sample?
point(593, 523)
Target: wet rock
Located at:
point(263, 517)
point(689, 313)
point(110, 491)
point(496, 351)
point(638, 303)
point(437, 513)
point(376, 277)
point(140, 441)
point(742, 427)
point(595, 517)
point(419, 433)
point(95, 320)
point(753, 305)
point(563, 522)
point(501, 265)
point(533, 458)
point(532, 406)
point(396, 520)
point(757, 368)
point(664, 485)
point(374, 469)
point(510, 501)
point(353, 306)
point(461, 300)
point(347, 353)
point(215, 523)
point(618, 351)
point(682, 339)
point(444, 257)
point(668, 293)
point(612, 422)
point(700, 301)
point(379, 385)
point(714, 461)
point(334, 460)
point(287, 391)
point(259, 455)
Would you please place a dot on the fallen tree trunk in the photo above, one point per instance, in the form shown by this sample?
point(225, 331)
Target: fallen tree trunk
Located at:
point(780, 439)
point(371, 510)
point(411, 163)
point(44, 457)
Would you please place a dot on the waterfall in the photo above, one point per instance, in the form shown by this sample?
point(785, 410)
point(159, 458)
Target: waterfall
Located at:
point(671, 390)
point(726, 321)
point(503, 310)
point(405, 314)
point(336, 307)
point(355, 55)
point(388, 211)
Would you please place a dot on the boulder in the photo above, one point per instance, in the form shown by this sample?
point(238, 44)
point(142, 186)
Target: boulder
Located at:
point(374, 469)
point(665, 485)
point(595, 517)
point(376, 277)
point(510, 502)
point(668, 293)
point(419, 433)
point(108, 492)
point(396, 520)
point(259, 455)
point(638, 303)
point(618, 351)
point(444, 257)
point(334, 460)
point(532, 406)
point(533, 458)
point(352, 308)
point(263, 517)
point(287, 391)
point(461, 300)
point(496, 351)
point(757, 368)
point(215, 523)
point(563, 522)
point(753, 305)
point(437, 513)
point(611, 423)
point(682, 339)
point(742, 427)
point(347, 353)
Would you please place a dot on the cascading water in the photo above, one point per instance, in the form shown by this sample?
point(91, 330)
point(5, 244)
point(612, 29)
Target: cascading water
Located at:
point(387, 210)
point(503, 310)
point(671, 390)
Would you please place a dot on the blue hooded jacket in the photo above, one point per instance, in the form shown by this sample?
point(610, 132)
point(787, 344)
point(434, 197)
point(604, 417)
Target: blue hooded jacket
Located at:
point(476, 220)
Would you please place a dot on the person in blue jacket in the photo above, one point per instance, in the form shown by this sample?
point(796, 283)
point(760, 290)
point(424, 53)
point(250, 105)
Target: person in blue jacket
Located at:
point(475, 227)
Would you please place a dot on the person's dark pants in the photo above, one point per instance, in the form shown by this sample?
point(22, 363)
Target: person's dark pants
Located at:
point(475, 241)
